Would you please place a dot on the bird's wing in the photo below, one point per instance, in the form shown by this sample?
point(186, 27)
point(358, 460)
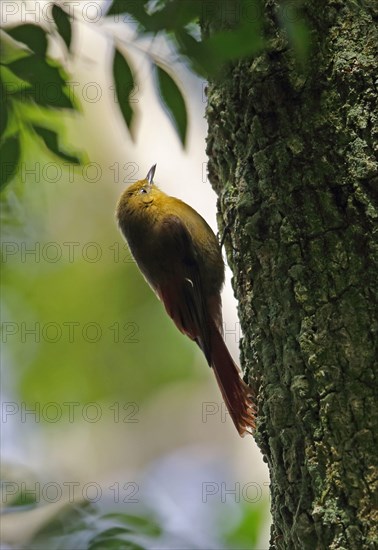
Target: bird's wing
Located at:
point(182, 291)
point(186, 303)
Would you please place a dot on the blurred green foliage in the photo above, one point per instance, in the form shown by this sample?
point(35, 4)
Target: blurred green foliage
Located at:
point(30, 83)
point(247, 532)
point(85, 526)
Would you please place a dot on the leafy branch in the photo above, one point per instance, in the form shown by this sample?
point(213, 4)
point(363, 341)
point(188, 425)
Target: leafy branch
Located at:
point(231, 30)
point(27, 77)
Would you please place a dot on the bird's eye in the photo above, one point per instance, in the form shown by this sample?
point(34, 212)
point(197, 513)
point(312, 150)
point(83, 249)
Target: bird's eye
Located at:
point(142, 190)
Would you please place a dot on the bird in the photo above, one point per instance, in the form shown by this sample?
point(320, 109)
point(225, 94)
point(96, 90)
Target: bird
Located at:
point(180, 257)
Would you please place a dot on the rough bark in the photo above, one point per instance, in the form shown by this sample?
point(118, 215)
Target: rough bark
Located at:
point(293, 158)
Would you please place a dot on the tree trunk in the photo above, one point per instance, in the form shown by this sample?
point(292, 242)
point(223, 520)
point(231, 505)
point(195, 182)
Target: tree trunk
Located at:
point(293, 159)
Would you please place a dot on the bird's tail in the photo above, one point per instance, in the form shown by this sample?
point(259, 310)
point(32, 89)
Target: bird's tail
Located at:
point(237, 395)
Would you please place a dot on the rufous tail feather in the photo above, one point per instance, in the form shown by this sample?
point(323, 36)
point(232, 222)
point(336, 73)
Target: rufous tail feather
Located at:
point(237, 395)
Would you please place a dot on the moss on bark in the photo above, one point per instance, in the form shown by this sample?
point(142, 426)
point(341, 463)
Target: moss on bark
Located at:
point(293, 158)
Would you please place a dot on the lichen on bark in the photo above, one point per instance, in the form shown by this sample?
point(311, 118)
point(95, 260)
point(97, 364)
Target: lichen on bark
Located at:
point(293, 158)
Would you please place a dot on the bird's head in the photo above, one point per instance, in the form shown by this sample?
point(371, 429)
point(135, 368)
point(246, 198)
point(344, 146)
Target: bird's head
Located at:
point(138, 196)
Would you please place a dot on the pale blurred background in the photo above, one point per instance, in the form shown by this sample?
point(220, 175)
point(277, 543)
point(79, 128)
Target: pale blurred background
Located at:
point(119, 395)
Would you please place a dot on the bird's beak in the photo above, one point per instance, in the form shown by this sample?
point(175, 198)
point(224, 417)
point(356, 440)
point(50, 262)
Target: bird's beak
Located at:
point(150, 175)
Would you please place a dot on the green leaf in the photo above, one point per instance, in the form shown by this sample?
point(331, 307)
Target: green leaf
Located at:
point(3, 117)
point(25, 500)
point(114, 537)
point(10, 155)
point(46, 79)
point(176, 14)
point(36, 70)
point(115, 544)
point(4, 105)
point(248, 532)
point(111, 532)
point(48, 96)
point(300, 39)
point(10, 49)
point(134, 8)
point(243, 37)
point(50, 139)
point(117, 7)
point(139, 524)
point(173, 101)
point(32, 35)
point(236, 44)
point(201, 58)
point(208, 56)
point(63, 23)
point(297, 30)
point(124, 84)
point(12, 84)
